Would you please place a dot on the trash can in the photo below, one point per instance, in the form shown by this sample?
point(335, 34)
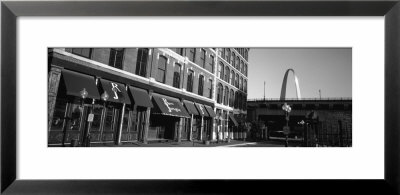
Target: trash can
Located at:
point(74, 143)
point(206, 142)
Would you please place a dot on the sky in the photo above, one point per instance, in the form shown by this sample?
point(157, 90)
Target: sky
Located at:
point(325, 69)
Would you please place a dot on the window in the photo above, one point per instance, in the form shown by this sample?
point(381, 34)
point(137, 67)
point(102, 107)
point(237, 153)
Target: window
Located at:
point(241, 83)
point(246, 56)
point(237, 80)
point(237, 62)
point(177, 76)
point(189, 86)
point(239, 101)
point(241, 66)
point(221, 71)
point(141, 62)
point(227, 72)
point(220, 93)
point(245, 85)
point(236, 99)
point(116, 57)
point(179, 51)
point(201, 85)
point(233, 59)
point(222, 52)
point(84, 52)
point(231, 98)
point(212, 58)
point(210, 88)
point(245, 69)
point(233, 78)
point(162, 67)
point(226, 95)
point(228, 55)
point(203, 58)
point(192, 54)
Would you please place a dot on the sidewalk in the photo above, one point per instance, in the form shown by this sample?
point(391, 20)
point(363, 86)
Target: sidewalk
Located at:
point(173, 144)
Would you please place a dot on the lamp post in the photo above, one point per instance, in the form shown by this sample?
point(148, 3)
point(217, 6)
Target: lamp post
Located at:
point(103, 97)
point(84, 95)
point(287, 109)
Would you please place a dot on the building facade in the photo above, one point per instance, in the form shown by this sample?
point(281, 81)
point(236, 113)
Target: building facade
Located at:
point(100, 95)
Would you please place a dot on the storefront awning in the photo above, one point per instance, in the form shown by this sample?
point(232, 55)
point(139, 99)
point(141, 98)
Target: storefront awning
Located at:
point(202, 110)
point(76, 83)
point(232, 118)
point(170, 106)
point(190, 107)
point(140, 97)
point(210, 111)
point(116, 91)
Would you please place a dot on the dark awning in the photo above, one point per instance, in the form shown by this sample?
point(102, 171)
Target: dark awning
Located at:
point(170, 106)
point(77, 82)
point(201, 109)
point(233, 120)
point(210, 111)
point(116, 91)
point(140, 97)
point(190, 107)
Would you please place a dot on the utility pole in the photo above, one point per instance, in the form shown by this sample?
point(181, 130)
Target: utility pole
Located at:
point(264, 90)
point(320, 94)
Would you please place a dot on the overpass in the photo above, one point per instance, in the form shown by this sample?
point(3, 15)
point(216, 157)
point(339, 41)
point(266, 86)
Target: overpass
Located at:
point(334, 115)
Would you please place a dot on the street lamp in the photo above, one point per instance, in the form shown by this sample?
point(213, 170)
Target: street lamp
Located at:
point(287, 109)
point(84, 95)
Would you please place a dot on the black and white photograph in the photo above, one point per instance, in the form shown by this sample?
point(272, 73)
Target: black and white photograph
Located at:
point(200, 97)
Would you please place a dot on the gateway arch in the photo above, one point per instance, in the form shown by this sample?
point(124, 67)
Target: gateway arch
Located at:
point(284, 83)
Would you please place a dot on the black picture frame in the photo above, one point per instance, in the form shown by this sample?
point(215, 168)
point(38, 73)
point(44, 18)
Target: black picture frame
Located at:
point(10, 10)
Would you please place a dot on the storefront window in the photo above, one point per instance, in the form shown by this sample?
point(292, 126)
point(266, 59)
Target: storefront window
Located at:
point(125, 123)
point(109, 120)
point(58, 115)
point(75, 117)
point(97, 111)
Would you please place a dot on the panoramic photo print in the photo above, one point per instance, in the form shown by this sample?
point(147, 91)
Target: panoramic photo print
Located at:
point(199, 97)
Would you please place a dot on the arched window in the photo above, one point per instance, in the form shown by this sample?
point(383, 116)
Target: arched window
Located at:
point(232, 98)
point(232, 79)
point(245, 69)
point(233, 59)
point(239, 101)
point(236, 100)
point(237, 62)
point(220, 93)
point(221, 71)
point(246, 54)
point(237, 80)
point(241, 83)
point(226, 96)
point(228, 55)
point(245, 85)
point(162, 68)
point(227, 73)
point(241, 66)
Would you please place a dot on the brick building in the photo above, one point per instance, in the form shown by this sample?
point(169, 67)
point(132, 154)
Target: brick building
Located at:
point(144, 94)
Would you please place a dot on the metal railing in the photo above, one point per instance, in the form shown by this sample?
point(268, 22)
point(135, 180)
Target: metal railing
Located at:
point(302, 99)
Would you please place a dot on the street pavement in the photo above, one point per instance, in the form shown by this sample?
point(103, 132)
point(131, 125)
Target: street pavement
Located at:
point(232, 143)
